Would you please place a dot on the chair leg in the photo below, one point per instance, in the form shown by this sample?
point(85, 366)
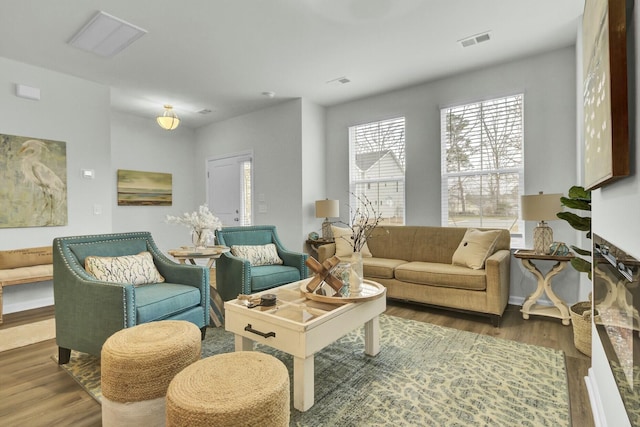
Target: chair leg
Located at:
point(203, 332)
point(64, 355)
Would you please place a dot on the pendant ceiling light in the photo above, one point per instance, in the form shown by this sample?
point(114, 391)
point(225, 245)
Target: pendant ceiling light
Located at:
point(169, 119)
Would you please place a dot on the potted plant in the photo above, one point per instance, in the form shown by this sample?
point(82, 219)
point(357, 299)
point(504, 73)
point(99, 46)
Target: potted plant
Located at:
point(580, 199)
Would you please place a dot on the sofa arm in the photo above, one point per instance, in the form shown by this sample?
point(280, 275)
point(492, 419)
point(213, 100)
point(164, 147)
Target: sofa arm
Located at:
point(326, 251)
point(233, 275)
point(498, 269)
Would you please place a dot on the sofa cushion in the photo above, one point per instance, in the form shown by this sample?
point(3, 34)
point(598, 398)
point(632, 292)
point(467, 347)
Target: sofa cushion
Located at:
point(135, 269)
point(344, 249)
point(163, 300)
point(269, 276)
point(475, 247)
point(444, 275)
point(258, 254)
point(380, 268)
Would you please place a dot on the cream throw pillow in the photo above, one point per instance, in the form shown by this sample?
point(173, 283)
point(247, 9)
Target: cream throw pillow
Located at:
point(475, 247)
point(136, 269)
point(344, 249)
point(258, 254)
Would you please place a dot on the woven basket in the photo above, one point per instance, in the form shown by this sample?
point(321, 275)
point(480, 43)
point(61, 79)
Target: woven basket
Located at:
point(581, 320)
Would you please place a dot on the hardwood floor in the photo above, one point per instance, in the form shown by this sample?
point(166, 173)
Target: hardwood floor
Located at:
point(34, 391)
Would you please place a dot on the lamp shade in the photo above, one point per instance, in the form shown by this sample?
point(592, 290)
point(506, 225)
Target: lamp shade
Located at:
point(327, 208)
point(169, 119)
point(540, 207)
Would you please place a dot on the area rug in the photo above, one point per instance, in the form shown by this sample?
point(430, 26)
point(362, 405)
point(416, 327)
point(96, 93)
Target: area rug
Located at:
point(424, 375)
point(30, 333)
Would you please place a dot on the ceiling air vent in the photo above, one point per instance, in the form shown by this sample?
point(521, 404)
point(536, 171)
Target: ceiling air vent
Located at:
point(204, 111)
point(475, 39)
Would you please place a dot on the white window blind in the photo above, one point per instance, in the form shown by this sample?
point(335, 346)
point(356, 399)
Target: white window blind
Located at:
point(482, 164)
point(377, 167)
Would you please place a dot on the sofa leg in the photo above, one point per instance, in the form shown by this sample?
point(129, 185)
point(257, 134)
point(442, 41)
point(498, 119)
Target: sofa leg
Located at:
point(495, 320)
point(64, 355)
point(203, 332)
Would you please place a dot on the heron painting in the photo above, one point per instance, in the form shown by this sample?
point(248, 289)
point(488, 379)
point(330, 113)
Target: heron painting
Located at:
point(33, 173)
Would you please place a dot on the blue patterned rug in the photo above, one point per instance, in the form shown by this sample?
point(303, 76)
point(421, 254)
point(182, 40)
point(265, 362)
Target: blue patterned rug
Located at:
point(424, 375)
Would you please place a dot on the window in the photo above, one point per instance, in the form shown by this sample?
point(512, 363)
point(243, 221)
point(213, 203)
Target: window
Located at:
point(482, 165)
point(377, 166)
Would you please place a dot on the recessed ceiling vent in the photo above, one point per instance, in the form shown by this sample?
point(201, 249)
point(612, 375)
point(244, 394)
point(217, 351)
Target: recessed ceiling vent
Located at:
point(475, 39)
point(204, 111)
point(342, 80)
point(106, 35)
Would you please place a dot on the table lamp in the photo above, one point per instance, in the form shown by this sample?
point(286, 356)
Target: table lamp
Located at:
point(541, 207)
point(327, 209)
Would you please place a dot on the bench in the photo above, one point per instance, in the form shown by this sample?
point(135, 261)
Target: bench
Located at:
point(21, 266)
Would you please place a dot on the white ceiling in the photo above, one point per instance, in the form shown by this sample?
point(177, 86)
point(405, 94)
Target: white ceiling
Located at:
point(222, 54)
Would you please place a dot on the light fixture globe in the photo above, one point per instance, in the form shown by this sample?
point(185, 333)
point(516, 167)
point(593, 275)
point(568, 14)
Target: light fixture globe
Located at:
point(169, 119)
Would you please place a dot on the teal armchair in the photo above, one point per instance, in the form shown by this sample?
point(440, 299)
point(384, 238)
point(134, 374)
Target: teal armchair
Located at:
point(88, 311)
point(236, 275)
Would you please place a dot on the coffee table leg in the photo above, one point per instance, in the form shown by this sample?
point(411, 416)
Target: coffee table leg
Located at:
point(243, 344)
point(372, 336)
point(303, 383)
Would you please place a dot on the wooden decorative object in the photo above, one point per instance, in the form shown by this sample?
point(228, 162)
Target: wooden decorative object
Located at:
point(323, 274)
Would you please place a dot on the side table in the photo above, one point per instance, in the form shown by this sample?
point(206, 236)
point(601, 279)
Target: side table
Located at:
point(211, 253)
point(559, 309)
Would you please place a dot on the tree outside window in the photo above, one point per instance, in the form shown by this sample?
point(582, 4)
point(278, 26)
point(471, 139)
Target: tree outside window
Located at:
point(482, 164)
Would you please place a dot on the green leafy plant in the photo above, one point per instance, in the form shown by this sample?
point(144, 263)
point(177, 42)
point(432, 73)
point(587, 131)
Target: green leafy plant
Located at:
point(579, 199)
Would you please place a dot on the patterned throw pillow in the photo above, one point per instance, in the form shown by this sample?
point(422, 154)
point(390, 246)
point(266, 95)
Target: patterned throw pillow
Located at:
point(257, 254)
point(135, 269)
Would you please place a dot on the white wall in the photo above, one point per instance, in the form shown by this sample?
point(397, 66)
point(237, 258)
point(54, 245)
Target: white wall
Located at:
point(274, 134)
point(615, 212)
point(140, 144)
point(549, 85)
point(75, 111)
point(313, 165)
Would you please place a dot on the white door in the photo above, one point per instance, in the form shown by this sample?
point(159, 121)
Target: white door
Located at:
point(229, 188)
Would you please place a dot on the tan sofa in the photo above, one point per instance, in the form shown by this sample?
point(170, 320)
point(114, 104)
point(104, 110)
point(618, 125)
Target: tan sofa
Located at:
point(414, 263)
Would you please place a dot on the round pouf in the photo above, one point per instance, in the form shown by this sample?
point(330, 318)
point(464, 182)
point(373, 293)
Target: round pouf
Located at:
point(245, 388)
point(137, 365)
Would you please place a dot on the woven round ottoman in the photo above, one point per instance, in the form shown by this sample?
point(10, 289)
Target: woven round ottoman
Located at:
point(138, 364)
point(245, 388)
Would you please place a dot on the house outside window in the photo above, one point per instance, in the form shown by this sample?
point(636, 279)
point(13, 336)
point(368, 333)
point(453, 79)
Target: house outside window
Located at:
point(377, 167)
point(483, 165)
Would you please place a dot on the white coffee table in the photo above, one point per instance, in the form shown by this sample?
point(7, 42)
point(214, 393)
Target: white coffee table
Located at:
point(301, 327)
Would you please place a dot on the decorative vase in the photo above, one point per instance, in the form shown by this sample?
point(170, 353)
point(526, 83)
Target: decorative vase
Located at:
point(200, 238)
point(356, 273)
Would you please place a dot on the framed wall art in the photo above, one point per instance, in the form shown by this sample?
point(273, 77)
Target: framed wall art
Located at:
point(606, 127)
point(136, 188)
point(33, 173)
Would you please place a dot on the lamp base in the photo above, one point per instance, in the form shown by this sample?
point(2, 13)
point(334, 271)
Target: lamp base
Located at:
point(542, 238)
point(327, 234)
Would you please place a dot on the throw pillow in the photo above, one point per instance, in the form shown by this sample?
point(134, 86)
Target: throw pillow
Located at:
point(475, 247)
point(344, 249)
point(135, 269)
point(258, 254)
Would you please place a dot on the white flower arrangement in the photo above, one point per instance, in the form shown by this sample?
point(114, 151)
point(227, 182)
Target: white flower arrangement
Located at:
point(202, 222)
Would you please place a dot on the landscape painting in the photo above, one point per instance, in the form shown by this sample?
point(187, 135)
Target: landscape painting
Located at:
point(33, 173)
point(136, 188)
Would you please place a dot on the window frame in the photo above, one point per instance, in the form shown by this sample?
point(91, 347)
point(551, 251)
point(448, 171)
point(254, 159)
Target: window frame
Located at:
point(517, 226)
point(399, 179)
